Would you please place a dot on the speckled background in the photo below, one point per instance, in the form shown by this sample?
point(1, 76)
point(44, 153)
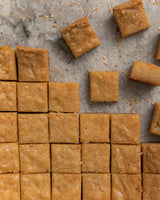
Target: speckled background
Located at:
point(30, 23)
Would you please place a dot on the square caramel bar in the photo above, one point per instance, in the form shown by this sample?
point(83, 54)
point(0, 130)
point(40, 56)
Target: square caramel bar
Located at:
point(32, 64)
point(8, 124)
point(104, 86)
point(126, 159)
point(36, 186)
point(80, 37)
point(66, 158)
point(96, 158)
point(32, 97)
point(126, 186)
point(145, 72)
point(151, 158)
point(64, 127)
point(131, 17)
point(125, 128)
point(94, 128)
point(158, 51)
point(64, 97)
point(151, 186)
point(8, 70)
point(155, 124)
point(8, 99)
point(33, 128)
point(35, 158)
point(9, 187)
point(66, 186)
point(96, 187)
point(9, 158)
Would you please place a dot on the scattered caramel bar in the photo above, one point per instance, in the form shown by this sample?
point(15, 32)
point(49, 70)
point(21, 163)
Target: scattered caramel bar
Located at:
point(80, 37)
point(155, 124)
point(131, 17)
point(158, 51)
point(145, 72)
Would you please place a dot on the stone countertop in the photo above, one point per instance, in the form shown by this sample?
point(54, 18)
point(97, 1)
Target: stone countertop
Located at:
point(36, 23)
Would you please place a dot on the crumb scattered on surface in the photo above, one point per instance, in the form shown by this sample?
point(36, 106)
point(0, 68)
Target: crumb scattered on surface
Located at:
point(104, 57)
point(132, 101)
point(105, 63)
point(28, 16)
point(140, 50)
point(116, 65)
point(54, 25)
point(45, 16)
point(52, 15)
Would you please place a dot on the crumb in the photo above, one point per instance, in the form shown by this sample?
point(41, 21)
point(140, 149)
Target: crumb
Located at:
point(60, 1)
point(28, 16)
point(151, 93)
point(152, 103)
point(97, 58)
point(147, 45)
point(131, 101)
point(140, 50)
point(61, 52)
point(81, 10)
point(116, 65)
point(114, 47)
point(148, 100)
point(45, 16)
point(122, 71)
point(105, 63)
point(54, 25)
point(52, 15)
point(137, 101)
point(110, 10)
point(120, 55)
point(104, 57)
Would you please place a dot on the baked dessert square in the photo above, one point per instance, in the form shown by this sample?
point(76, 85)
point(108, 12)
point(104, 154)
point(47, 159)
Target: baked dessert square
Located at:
point(96, 158)
point(158, 51)
point(36, 186)
point(80, 37)
point(94, 128)
point(125, 128)
point(8, 70)
point(104, 86)
point(35, 158)
point(151, 186)
point(96, 186)
point(64, 97)
point(8, 127)
point(126, 186)
point(8, 99)
point(33, 128)
point(66, 186)
point(155, 124)
point(66, 158)
point(9, 187)
point(9, 158)
point(64, 127)
point(131, 17)
point(126, 159)
point(32, 64)
point(151, 158)
point(145, 72)
point(32, 97)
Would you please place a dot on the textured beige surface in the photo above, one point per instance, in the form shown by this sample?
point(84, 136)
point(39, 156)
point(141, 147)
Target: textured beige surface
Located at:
point(151, 186)
point(66, 187)
point(33, 128)
point(9, 187)
point(8, 69)
point(8, 101)
point(126, 186)
point(104, 86)
point(36, 187)
point(35, 158)
point(158, 50)
point(66, 101)
point(131, 17)
point(94, 128)
point(80, 37)
point(64, 128)
point(8, 127)
point(151, 158)
point(32, 97)
point(66, 158)
point(32, 64)
point(9, 157)
point(126, 159)
point(125, 128)
point(155, 125)
point(96, 158)
point(96, 186)
point(145, 72)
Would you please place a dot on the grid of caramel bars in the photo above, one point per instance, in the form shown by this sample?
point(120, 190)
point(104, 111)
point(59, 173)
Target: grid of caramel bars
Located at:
point(49, 151)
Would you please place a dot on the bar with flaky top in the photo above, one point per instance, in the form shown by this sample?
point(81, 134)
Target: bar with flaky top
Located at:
point(104, 86)
point(80, 37)
point(145, 72)
point(131, 17)
point(155, 124)
point(32, 64)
